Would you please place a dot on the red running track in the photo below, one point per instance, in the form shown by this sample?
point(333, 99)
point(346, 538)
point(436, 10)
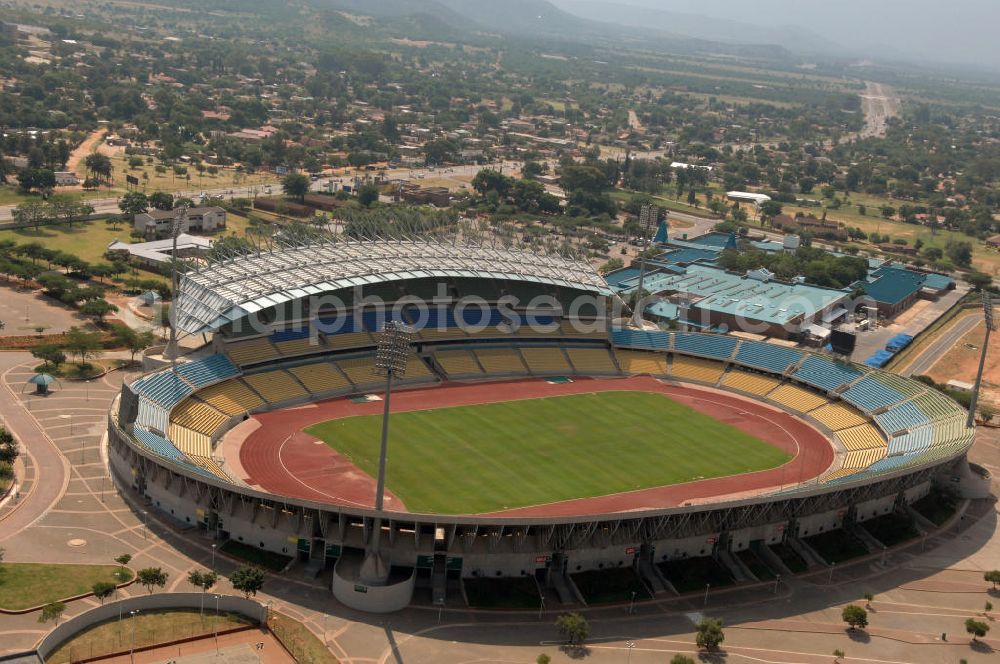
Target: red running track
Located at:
point(280, 458)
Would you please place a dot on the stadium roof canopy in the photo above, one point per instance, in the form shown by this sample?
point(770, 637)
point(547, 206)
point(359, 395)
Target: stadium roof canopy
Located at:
point(223, 292)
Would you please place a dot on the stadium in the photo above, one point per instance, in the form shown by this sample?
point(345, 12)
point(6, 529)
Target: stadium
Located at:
point(534, 435)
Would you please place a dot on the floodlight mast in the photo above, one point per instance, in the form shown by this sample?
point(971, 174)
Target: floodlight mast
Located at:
point(990, 327)
point(649, 215)
point(177, 225)
point(391, 356)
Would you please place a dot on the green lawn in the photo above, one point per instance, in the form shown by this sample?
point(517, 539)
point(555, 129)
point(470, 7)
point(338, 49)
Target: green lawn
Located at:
point(24, 585)
point(474, 459)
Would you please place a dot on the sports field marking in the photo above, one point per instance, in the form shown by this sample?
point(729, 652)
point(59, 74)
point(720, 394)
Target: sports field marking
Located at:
point(491, 457)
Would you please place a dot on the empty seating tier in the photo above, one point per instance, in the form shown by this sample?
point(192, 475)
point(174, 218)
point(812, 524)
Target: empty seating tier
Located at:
point(797, 398)
point(251, 351)
point(591, 329)
point(899, 418)
point(904, 386)
point(825, 374)
point(190, 442)
point(165, 388)
point(635, 362)
point(300, 346)
point(696, 368)
point(198, 416)
point(861, 437)
point(501, 361)
point(751, 383)
point(158, 445)
point(707, 345)
point(322, 378)
point(934, 405)
point(546, 361)
point(653, 340)
point(208, 464)
point(276, 386)
point(349, 340)
point(416, 369)
point(837, 416)
point(767, 356)
point(917, 440)
point(361, 372)
point(458, 363)
point(869, 395)
point(231, 397)
point(862, 458)
point(592, 361)
point(208, 370)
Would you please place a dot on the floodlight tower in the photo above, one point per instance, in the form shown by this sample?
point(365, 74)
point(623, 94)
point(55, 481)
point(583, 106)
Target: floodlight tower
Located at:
point(990, 327)
point(649, 216)
point(391, 356)
point(177, 225)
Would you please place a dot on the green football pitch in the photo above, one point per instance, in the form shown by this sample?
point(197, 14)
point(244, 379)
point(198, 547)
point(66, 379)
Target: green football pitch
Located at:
point(490, 457)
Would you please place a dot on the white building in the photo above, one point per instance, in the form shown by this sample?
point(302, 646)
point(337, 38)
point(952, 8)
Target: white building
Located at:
point(156, 223)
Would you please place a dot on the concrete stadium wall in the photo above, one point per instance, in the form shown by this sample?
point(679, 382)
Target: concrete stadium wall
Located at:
point(772, 533)
point(373, 599)
point(873, 508)
point(65, 631)
point(820, 523)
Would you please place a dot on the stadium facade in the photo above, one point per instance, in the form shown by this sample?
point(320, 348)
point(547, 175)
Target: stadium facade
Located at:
point(300, 324)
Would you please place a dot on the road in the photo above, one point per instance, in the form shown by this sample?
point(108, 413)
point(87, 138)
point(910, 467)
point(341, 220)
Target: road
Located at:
point(879, 103)
point(936, 350)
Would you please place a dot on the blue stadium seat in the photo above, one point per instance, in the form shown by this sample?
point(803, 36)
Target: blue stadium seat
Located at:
point(165, 388)
point(158, 444)
point(824, 374)
point(208, 370)
point(767, 356)
point(290, 335)
point(869, 395)
point(706, 345)
point(476, 317)
point(917, 440)
point(898, 418)
point(640, 339)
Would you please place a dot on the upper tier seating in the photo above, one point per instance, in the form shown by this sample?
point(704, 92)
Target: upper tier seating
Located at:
point(707, 345)
point(635, 362)
point(898, 418)
point(251, 351)
point(836, 416)
point(276, 386)
point(501, 361)
point(321, 378)
point(208, 370)
point(767, 356)
point(752, 383)
point(653, 340)
point(158, 444)
point(797, 398)
point(825, 374)
point(546, 361)
point(459, 363)
point(914, 441)
point(231, 397)
point(908, 388)
point(934, 405)
point(592, 361)
point(590, 329)
point(190, 442)
point(163, 387)
point(696, 368)
point(869, 395)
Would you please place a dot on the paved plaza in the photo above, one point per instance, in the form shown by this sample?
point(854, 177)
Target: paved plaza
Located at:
point(923, 591)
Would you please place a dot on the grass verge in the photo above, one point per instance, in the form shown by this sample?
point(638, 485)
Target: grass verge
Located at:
point(298, 640)
point(24, 585)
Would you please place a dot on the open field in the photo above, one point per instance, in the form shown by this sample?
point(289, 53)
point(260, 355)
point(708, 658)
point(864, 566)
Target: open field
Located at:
point(496, 456)
point(23, 585)
point(962, 363)
point(150, 628)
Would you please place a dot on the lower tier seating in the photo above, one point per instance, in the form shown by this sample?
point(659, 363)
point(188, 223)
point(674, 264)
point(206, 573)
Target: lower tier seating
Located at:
point(198, 416)
point(251, 351)
point(635, 362)
point(276, 386)
point(231, 397)
point(592, 361)
point(190, 442)
point(862, 458)
point(458, 363)
point(797, 398)
point(751, 383)
point(321, 378)
point(837, 416)
point(696, 368)
point(861, 437)
point(546, 361)
point(501, 361)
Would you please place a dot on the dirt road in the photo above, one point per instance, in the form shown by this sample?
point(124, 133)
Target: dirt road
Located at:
point(879, 103)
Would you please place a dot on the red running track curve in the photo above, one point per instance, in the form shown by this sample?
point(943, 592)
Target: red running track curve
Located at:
point(280, 458)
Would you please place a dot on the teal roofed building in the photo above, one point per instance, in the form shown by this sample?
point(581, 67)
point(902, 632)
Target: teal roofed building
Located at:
point(895, 288)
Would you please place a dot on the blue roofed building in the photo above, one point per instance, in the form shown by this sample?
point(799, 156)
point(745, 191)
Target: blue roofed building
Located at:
point(895, 288)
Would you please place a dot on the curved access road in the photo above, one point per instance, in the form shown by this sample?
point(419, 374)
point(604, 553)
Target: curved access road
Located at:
point(937, 348)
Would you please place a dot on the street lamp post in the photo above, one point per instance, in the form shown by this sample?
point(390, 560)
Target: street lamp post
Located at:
point(216, 624)
point(990, 327)
point(391, 357)
point(630, 646)
point(777, 580)
point(131, 652)
point(171, 352)
point(631, 606)
point(213, 557)
point(707, 586)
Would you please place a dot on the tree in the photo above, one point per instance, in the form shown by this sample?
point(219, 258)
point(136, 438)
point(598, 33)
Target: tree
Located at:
point(152, 577)
point(133, 340)
point(543, 659)
point(50, 354)
point(709, 634)
point(838, 654)
point(84, 345)
point(573, 627)
point(161, 200)
point(993, 576)
point(52, 612)
point(976, 628)
point(959, 252)
point(123, 560)
point(868, 600)
point(248, 580)
point(855, 616)
point(32, 213)
point(103, 590)
point(367, 194)
point(681, 659)
point(295, 185)
point(98, 309)
point(978, 280)
point(611, 265)
point(203, 580)
point(133, 203)
point(99, 165)
point(36, 178)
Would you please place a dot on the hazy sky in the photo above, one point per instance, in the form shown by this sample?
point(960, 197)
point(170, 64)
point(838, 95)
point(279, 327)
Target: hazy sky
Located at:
point(936, 30)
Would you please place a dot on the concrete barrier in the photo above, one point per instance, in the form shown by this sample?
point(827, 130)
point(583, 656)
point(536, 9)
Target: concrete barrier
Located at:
point(65, 631)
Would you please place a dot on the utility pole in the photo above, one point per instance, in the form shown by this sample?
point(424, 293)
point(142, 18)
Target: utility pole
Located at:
point(649, 215)
point(171, 352)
